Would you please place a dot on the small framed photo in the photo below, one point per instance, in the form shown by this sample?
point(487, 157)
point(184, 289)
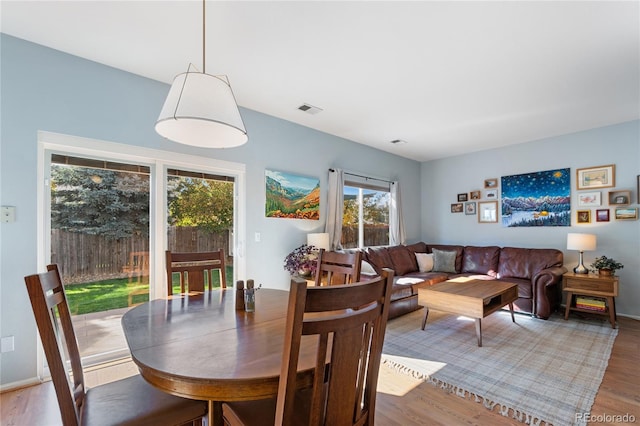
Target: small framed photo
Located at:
point(628, 213)
point(475, 195)
point(589, 199)
point(487, 212)
point(456, 208)
point(491, 183)
point(470, 207)
point(596, 177)
point(462, 197)
point(602, 215)
point(491, 194)
point(584, 216)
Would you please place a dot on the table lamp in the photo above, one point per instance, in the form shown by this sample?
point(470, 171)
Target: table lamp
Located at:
point(581, 242)
point(319, 240)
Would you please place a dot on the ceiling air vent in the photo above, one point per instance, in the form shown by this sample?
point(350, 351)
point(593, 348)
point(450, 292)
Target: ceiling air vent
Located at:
point(398, 142)
point(309, 109)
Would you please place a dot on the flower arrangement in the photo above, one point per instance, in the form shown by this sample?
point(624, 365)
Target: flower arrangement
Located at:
point(302, 261)
point(603, 262)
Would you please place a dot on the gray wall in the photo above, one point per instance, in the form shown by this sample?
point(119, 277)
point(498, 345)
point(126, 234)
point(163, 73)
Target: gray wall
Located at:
point(44, 89)
point(443, 179)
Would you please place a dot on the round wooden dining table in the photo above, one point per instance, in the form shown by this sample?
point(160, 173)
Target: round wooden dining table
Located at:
point(199, 346)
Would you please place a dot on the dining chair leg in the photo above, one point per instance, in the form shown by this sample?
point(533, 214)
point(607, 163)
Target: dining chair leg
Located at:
point(215, 413)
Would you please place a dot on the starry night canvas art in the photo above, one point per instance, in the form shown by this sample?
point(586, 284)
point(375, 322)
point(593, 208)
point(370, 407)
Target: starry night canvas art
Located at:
point(537, 199)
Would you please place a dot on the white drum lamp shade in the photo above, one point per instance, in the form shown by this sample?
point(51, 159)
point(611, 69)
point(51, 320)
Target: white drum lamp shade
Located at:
point(319, 240)
point(201, 110)
point(582, 243)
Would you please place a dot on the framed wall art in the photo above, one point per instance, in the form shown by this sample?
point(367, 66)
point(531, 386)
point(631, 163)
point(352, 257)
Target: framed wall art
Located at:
point(602, 215)
point(470, 207)
point(456, 208)
point(583, 216)
point(589, 199)
point(627, 213)
point(491, 194)
point(487, 212)
point(536, 199)
point(462, 197)
point(291, 196)
point(490, 183)
point(475, 195)
point(596, 177)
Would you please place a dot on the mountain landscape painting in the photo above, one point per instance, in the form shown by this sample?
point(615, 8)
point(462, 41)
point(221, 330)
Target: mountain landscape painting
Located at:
point(537, 199)
point(292, 196)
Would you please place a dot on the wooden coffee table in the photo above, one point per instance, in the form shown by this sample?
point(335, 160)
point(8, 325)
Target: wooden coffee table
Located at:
point(468, 297)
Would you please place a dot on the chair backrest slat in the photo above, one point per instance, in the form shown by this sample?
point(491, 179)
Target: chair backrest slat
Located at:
point(350, 322)
point(49, 304)
point(335, 268)
point(195, 266)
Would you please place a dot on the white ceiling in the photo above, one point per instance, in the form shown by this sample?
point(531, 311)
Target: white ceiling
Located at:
point(449, 77)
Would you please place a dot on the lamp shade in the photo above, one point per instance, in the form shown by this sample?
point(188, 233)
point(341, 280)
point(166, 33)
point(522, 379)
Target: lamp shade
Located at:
point(200, 110)
point(319, 240)
point(581, 242)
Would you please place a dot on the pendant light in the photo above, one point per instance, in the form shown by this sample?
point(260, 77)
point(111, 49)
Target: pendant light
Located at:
point(201, 110)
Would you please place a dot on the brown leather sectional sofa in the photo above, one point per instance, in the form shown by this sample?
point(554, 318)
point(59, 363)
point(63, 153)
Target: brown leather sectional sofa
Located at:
point(537, 272)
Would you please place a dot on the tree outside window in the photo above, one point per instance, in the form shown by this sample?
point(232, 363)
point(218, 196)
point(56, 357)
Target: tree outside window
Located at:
point(365, 219)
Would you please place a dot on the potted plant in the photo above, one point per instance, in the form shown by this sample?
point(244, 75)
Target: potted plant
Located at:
point(605, 265)
point(302, 261)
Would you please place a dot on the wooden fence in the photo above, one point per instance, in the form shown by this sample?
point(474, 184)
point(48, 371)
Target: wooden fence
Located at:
point(373, 236)
point(86, 258)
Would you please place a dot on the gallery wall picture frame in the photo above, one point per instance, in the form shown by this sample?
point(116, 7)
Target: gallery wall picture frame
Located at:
point(596, 177)
point(487, 212)
point(462, 197)
point(602, 215)
point(491, 194)
point(583, 216)
point(456, 208)
point(470, 208)
point(589, 199)
point(491, 183)
point(626, 213)
point(475, 195)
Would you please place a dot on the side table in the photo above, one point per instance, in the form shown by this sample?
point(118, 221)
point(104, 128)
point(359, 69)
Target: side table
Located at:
point(602, 286)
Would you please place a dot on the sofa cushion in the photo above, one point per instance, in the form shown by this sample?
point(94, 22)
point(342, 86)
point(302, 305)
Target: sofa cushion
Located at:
point(379, 258)
point(526, 263)
point(425, 262)
point(403, 260)
point(481, 260)
point(418, 247)
point(457, 249)
point(444, 261)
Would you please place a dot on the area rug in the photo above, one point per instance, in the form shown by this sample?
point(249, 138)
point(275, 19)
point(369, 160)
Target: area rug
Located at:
point(535, 371)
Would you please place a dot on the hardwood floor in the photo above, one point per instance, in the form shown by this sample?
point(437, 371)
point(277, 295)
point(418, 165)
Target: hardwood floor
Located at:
point(401, 400)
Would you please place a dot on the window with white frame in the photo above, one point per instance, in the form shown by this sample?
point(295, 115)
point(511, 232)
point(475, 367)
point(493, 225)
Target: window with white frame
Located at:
point(365, 218)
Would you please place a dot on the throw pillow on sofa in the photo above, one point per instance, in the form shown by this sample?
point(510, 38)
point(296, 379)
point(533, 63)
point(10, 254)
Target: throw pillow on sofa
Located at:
point(425, 262)
point(367, 269)
point(444, 261)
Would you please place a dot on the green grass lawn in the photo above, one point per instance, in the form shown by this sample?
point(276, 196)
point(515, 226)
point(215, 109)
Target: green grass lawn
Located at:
point(100, 296)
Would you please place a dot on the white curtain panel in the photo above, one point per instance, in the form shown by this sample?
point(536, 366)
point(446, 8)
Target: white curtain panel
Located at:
point(335, 208)
point(396, 223)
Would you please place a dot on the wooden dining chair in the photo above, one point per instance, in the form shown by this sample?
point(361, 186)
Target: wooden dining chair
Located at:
point(131, 401)
point(193, 268)
point(338, 268)
point(349, 323)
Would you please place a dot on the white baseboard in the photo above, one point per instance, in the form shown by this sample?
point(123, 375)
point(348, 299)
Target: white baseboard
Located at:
point(20, 384)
